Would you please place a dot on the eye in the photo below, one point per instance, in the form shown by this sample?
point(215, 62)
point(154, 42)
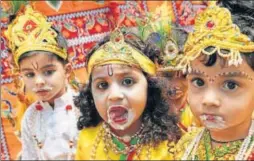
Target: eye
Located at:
point(230, 85)
point(127, 81)
point(48, 72)
point(29, 75)
point(102, 85)
point(198, 82)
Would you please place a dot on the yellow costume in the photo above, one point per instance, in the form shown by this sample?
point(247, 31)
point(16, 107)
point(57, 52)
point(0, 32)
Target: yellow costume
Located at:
point(89, 144)
point(204, 150)
point(99, 143)
point(214, 28)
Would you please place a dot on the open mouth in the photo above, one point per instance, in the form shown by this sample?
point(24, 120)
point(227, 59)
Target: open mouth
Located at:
point(118, 114)
point(213, 118)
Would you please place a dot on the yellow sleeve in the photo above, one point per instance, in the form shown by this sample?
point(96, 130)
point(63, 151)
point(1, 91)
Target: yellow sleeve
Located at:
point(184, 142)
point(85, 143)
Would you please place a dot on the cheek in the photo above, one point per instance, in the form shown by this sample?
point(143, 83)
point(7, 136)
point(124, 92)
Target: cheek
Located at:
point(137, 98)
point(194, 100)
point(240, 105)
point(29, 84)
point(100, 104)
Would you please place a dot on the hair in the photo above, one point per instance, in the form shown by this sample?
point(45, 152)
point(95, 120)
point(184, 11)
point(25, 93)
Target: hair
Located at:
point(158, 124)
point(243, 16)
point(61, 43)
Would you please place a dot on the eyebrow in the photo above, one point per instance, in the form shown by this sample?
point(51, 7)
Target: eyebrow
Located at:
point(198, 73)
point(44, 67)
point(48, 66)
point(117, 75)
point(235, 74)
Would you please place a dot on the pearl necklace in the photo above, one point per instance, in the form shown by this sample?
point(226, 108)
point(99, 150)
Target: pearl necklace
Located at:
point(241, 155)
point(41, 131)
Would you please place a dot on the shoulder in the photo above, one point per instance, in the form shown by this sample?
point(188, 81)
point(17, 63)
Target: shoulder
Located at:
point(30, 111)
point(184, 142)
point(86, 141)
point(88, 135)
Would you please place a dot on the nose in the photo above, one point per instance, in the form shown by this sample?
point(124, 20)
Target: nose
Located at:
point(39, 81)
point(211, 99)
point(115, 93)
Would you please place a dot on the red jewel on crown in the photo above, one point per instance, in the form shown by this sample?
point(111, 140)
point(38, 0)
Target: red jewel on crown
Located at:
point(68, 107)
point(210, 24)
point(38, 106)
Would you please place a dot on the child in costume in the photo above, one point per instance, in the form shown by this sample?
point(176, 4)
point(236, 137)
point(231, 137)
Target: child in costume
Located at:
point(158, 29)
point(219, 62)
point(48, 129)
point(173, 82)
point(123, 113)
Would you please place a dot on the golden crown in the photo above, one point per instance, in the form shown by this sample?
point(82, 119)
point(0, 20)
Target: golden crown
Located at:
point(30, 31)
point(214, 28)
point(117, 51)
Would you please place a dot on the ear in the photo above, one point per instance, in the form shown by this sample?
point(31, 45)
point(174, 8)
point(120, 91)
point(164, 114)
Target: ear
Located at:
point(68, 70)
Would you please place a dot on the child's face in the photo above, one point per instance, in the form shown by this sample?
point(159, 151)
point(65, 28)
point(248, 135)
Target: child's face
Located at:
point(44, 75)
point(221, 96)
point(175, 90)
point(120, 94)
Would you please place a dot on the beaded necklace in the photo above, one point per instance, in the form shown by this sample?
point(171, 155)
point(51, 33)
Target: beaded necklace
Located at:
point(224, 152)
point(113, 142)
point(243, 152)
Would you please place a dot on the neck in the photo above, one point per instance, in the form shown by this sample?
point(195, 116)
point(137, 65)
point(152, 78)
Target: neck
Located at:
point(131, 130)
point(233, 133)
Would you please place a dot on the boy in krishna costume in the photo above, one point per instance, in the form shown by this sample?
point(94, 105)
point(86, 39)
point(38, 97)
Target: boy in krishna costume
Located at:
point(48, 128)
point(218, 57)
point(123, 112)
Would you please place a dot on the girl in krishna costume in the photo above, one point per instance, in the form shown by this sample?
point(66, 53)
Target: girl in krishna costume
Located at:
point(48, 128)
point(219, 61)
point(123, 113)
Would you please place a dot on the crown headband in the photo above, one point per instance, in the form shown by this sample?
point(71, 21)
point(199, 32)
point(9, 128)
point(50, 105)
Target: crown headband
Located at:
point(117, 51)
point(30, 31)
point(157, 28)
point(214, 28)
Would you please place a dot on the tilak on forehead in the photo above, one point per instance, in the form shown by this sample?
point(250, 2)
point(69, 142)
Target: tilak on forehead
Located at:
point(214, 28)
point(117, 51)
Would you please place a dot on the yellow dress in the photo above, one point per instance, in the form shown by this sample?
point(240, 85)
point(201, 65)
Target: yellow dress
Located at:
point(204, 149)
point(187, 119)
point(88, 145)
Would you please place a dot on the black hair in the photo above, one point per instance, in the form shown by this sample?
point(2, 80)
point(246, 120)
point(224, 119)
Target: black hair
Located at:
point(243, 16)
point(61, 43)
point(158, 124)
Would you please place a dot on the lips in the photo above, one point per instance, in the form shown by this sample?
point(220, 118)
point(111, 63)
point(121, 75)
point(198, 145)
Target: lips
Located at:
point(210, 117)
point(118, 114)
point(42, 92)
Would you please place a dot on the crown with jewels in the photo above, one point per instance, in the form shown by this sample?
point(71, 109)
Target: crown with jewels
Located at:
point(30, 31)
point(117, 51)
point(214, 28)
